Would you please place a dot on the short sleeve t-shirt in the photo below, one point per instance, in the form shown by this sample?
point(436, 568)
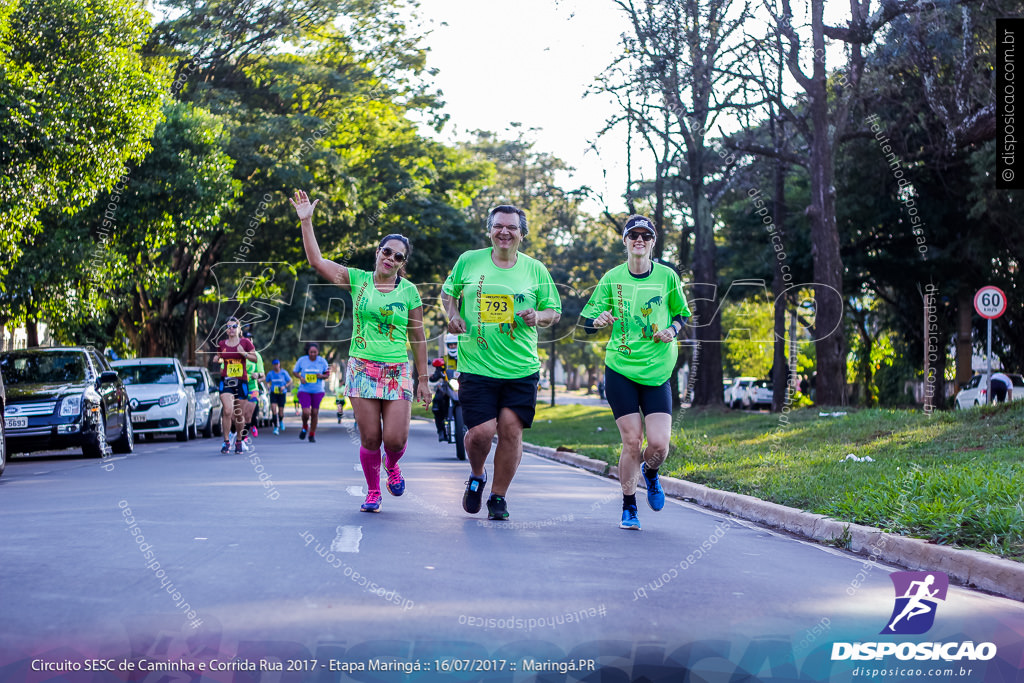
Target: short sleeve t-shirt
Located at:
point(497, 343)
point(643, 305)
point(278, 381)
point(255, 367)
point(381, 318)
point(232, 362)
point(306, 367)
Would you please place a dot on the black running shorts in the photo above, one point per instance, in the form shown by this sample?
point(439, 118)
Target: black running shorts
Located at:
point(482, 398)
point(236, 387)
point(627, 397)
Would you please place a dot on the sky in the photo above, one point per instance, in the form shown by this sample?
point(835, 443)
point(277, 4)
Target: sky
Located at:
point(531, 62)
point(547, 53)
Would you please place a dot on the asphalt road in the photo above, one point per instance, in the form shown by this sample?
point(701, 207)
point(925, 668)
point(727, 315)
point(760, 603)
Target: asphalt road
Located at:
point(186, 558)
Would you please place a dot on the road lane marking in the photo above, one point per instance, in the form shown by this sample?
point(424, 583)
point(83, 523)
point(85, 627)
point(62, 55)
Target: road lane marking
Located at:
point(356, 491)
point(347, 540)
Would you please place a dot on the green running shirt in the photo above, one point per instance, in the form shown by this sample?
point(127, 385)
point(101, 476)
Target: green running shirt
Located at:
point(381, 328)
point(643, 305)
point(498, 344)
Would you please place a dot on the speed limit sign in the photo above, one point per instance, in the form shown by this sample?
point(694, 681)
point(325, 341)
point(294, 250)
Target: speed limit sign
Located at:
point(990, 302)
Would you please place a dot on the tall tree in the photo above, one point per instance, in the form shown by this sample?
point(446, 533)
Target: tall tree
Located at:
point(687, 52)
point(78, 101)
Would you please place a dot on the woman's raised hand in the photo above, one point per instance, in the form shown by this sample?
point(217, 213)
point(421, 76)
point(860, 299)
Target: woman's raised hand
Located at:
point(302, 206)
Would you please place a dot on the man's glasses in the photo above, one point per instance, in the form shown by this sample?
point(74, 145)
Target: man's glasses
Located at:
point(388, 252)
point(634, 235)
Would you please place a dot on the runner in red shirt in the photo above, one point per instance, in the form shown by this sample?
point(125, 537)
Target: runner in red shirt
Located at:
point(234, 382)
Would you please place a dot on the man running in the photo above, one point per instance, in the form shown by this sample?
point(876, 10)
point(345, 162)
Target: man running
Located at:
point(311, 370)
point(495, 299)
point(280, 382)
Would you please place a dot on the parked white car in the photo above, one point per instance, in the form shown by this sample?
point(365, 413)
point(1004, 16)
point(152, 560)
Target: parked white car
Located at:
point(207, 401)
point(758, 395)
point(162, 398)
point(735, 393)
point(975, 392)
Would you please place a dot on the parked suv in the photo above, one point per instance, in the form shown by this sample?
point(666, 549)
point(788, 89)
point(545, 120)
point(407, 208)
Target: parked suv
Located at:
point(162, 397)
point(207, 401)
point(64, 397)
point(759, 394)
point(734, 394)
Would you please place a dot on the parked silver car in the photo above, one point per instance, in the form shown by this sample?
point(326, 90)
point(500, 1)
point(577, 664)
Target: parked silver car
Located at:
point(207, 401)
point(162, 398)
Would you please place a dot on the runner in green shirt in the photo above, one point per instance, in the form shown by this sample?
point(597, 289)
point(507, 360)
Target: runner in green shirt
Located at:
point(495, 299)
point(387, 314)
point(644, 304)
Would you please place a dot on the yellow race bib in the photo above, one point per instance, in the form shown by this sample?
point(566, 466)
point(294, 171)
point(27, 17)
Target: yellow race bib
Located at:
point(496, 308)
point(234, 368)
point(311, 377)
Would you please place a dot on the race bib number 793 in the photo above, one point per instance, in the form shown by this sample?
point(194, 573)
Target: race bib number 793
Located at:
point(496, 308)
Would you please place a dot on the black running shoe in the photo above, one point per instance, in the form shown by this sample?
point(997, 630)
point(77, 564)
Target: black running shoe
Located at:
point(474, 493)
point(312, 437)
point(302, 434)
point(225, 448)
point(497, 509)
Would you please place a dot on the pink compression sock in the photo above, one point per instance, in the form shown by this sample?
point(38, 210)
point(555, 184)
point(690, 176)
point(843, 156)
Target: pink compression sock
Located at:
point(391, 459)
point(370, 461)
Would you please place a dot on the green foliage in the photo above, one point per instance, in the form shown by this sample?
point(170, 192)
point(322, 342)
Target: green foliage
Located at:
point(78, 103)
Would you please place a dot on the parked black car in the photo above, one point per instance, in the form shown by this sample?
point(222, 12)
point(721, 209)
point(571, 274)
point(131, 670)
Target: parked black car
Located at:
point(64, 397)
point(3, 430)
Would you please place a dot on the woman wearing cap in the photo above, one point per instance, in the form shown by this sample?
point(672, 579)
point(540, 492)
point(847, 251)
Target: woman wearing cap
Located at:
point(387, 314)
point(643, 302)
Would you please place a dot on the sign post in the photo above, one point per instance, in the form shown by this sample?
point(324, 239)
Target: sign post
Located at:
point(990, 303)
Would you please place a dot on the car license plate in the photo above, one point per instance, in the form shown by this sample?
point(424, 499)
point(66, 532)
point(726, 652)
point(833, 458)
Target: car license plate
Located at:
point(138, 418)
point(15, 422)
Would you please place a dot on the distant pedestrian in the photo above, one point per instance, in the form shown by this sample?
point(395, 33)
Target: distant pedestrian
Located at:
point(643, 302)
point(311, 370)
point(232, 354)
point(280, 381)
point(1002, 388)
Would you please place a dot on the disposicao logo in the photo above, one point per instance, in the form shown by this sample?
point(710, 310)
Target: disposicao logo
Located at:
point(917, 597)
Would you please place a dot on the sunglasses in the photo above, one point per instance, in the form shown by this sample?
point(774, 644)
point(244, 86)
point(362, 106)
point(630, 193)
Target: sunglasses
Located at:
point(232, 326)
point(634, 235)
point(388, 252)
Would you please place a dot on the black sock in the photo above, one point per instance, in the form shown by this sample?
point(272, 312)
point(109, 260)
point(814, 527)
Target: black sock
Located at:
point(628, 501)
point(651, 473)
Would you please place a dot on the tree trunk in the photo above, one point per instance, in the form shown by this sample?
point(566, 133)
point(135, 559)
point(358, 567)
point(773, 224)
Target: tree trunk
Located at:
point(780, 368)
point(828, 264)
point(964, 350)
point(708, 390)
point(31, 331)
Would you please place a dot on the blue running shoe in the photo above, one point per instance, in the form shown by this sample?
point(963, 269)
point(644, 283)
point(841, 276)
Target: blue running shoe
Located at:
point(372, 503)
point(655, 494)
point(396, 482)
point(629, 519)
point(474, 493)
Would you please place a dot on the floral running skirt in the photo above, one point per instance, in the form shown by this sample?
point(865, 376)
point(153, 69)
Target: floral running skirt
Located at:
point(376, 379)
